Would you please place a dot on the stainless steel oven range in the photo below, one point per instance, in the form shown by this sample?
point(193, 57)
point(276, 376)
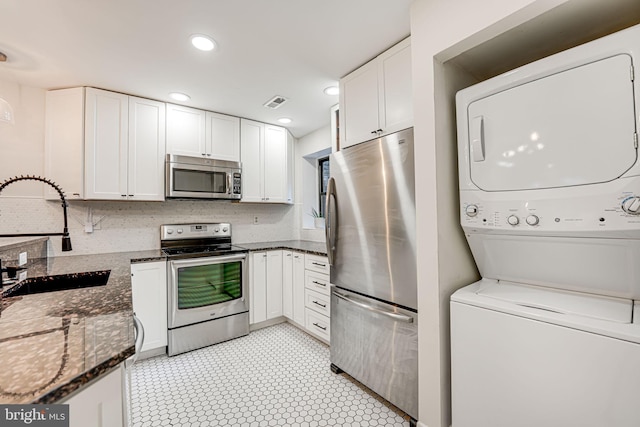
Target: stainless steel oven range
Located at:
point(207, 285)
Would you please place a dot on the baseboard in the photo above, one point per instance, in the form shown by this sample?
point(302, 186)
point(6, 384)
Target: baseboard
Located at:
point(266, 323)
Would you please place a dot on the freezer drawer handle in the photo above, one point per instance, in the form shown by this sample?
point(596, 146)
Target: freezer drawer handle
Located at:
point(395, 316)
point(324, 328)
point(318, 283)
point(321, 305)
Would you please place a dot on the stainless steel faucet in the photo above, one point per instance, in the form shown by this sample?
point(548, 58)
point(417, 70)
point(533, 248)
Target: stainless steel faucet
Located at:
point(66, 240)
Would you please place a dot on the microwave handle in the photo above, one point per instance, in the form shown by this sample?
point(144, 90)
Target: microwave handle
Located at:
point(228, 183)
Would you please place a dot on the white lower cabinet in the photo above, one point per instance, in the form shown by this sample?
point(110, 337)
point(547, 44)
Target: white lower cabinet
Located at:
point(293, 286)
point(266, 286)
point(101, 403)
point(316, 296)
point(149, 294)
point(317, 325)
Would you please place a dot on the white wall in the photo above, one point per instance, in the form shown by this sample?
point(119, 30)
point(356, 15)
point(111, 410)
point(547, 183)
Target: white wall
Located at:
point(308, 148)
point(440, 30)
point(126, 225)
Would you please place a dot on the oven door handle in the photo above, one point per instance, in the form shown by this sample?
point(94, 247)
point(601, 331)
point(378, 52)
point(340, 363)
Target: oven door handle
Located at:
point(217, 259)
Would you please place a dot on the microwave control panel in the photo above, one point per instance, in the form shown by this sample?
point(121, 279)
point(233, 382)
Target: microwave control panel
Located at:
point(237, 188)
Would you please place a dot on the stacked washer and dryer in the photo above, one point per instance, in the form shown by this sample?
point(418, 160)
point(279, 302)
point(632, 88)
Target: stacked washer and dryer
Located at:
point(550, 206)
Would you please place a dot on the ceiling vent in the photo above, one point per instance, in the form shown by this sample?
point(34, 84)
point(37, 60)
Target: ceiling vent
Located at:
point(275, 102)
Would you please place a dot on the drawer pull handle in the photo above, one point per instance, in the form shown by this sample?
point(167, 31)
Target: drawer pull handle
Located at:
point(324, 328)
point(318, 283)
point(319, 264)
point(321, 305)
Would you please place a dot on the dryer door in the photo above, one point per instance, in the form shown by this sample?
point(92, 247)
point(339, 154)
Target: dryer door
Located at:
point(574, 127)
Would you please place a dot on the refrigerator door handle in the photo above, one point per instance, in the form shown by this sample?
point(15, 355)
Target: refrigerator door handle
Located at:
point(331, 220)
point(395, 316)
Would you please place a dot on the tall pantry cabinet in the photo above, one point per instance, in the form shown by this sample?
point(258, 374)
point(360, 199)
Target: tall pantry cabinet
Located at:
point(102, 145)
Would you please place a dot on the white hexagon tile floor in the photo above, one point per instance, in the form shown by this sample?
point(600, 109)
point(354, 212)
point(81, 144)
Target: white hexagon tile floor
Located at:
point(276, 376)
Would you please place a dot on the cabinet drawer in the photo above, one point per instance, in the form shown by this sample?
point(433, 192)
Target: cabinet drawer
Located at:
point(317, 302)
point(317, 324)
point(316, 281)
point(316, 263)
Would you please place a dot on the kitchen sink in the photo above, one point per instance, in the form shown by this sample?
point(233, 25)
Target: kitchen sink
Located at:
point(59, 282)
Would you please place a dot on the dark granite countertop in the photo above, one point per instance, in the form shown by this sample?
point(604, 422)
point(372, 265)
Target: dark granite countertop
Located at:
point(53, 343)
point(315, 248)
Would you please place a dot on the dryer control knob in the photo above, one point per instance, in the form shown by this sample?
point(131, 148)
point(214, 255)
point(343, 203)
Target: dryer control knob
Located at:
point(533, 220)
point(471, 210)
point(632, 205)
point(513, 220)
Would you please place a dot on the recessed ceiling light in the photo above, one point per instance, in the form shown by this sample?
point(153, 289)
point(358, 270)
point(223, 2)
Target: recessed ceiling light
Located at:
point(202, 42)
point(179, 96)
point(332, 90)
point(285, 120)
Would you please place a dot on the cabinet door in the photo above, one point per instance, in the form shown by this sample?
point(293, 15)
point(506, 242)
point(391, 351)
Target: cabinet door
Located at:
point(100, 403)
point(146, 149)
point(251, 153)
point(298, 289)
point(275, 164)
point(290, 178)
point(223, 137)
point(64, 142)
point(396, 103)
point(106, 129)
point(287, 284)
point(359, 105)
point(258, 309)
point(274, 284)
point(186, 131)
point(149, 294)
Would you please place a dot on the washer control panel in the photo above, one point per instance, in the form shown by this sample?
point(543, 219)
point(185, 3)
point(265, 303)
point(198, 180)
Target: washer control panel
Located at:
point(618, 213)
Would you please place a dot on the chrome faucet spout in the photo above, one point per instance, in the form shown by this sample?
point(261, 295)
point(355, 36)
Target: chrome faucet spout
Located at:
point(66, 239)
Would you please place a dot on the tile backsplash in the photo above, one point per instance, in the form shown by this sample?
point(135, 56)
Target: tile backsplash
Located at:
point(131, 226)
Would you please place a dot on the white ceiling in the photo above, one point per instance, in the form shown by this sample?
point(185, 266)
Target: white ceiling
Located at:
point(292, 48)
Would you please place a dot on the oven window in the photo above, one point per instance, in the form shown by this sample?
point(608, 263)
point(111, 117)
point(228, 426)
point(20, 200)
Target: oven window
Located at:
point(199, 181)
point(209, 284)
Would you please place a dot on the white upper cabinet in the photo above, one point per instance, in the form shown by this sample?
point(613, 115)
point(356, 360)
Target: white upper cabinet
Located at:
point(120, 153)
point(192, 132)
point(267, 163)
point(186, 131)
point(106, 144)
point(145, 166)
point(376, 98)
point(223, 137)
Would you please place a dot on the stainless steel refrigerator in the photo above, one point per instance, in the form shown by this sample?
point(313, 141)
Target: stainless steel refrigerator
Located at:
point(370, 226)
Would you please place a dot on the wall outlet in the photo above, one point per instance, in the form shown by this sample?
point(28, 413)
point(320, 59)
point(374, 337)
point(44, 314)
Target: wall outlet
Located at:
point(22, 258)
point(255, 219)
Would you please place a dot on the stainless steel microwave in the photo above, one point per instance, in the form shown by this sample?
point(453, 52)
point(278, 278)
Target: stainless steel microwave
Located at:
point(199, 178)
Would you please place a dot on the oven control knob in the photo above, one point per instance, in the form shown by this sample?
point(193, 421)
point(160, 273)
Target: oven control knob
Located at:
point(632, 205)
point(471, 210)
point(533, 220)
point(179, 230)
point(170, 231)
point(216, 229)
point(513, 220)
point(225, 229)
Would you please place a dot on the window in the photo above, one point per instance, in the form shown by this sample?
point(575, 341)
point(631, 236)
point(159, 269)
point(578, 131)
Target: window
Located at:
point(323, 171)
